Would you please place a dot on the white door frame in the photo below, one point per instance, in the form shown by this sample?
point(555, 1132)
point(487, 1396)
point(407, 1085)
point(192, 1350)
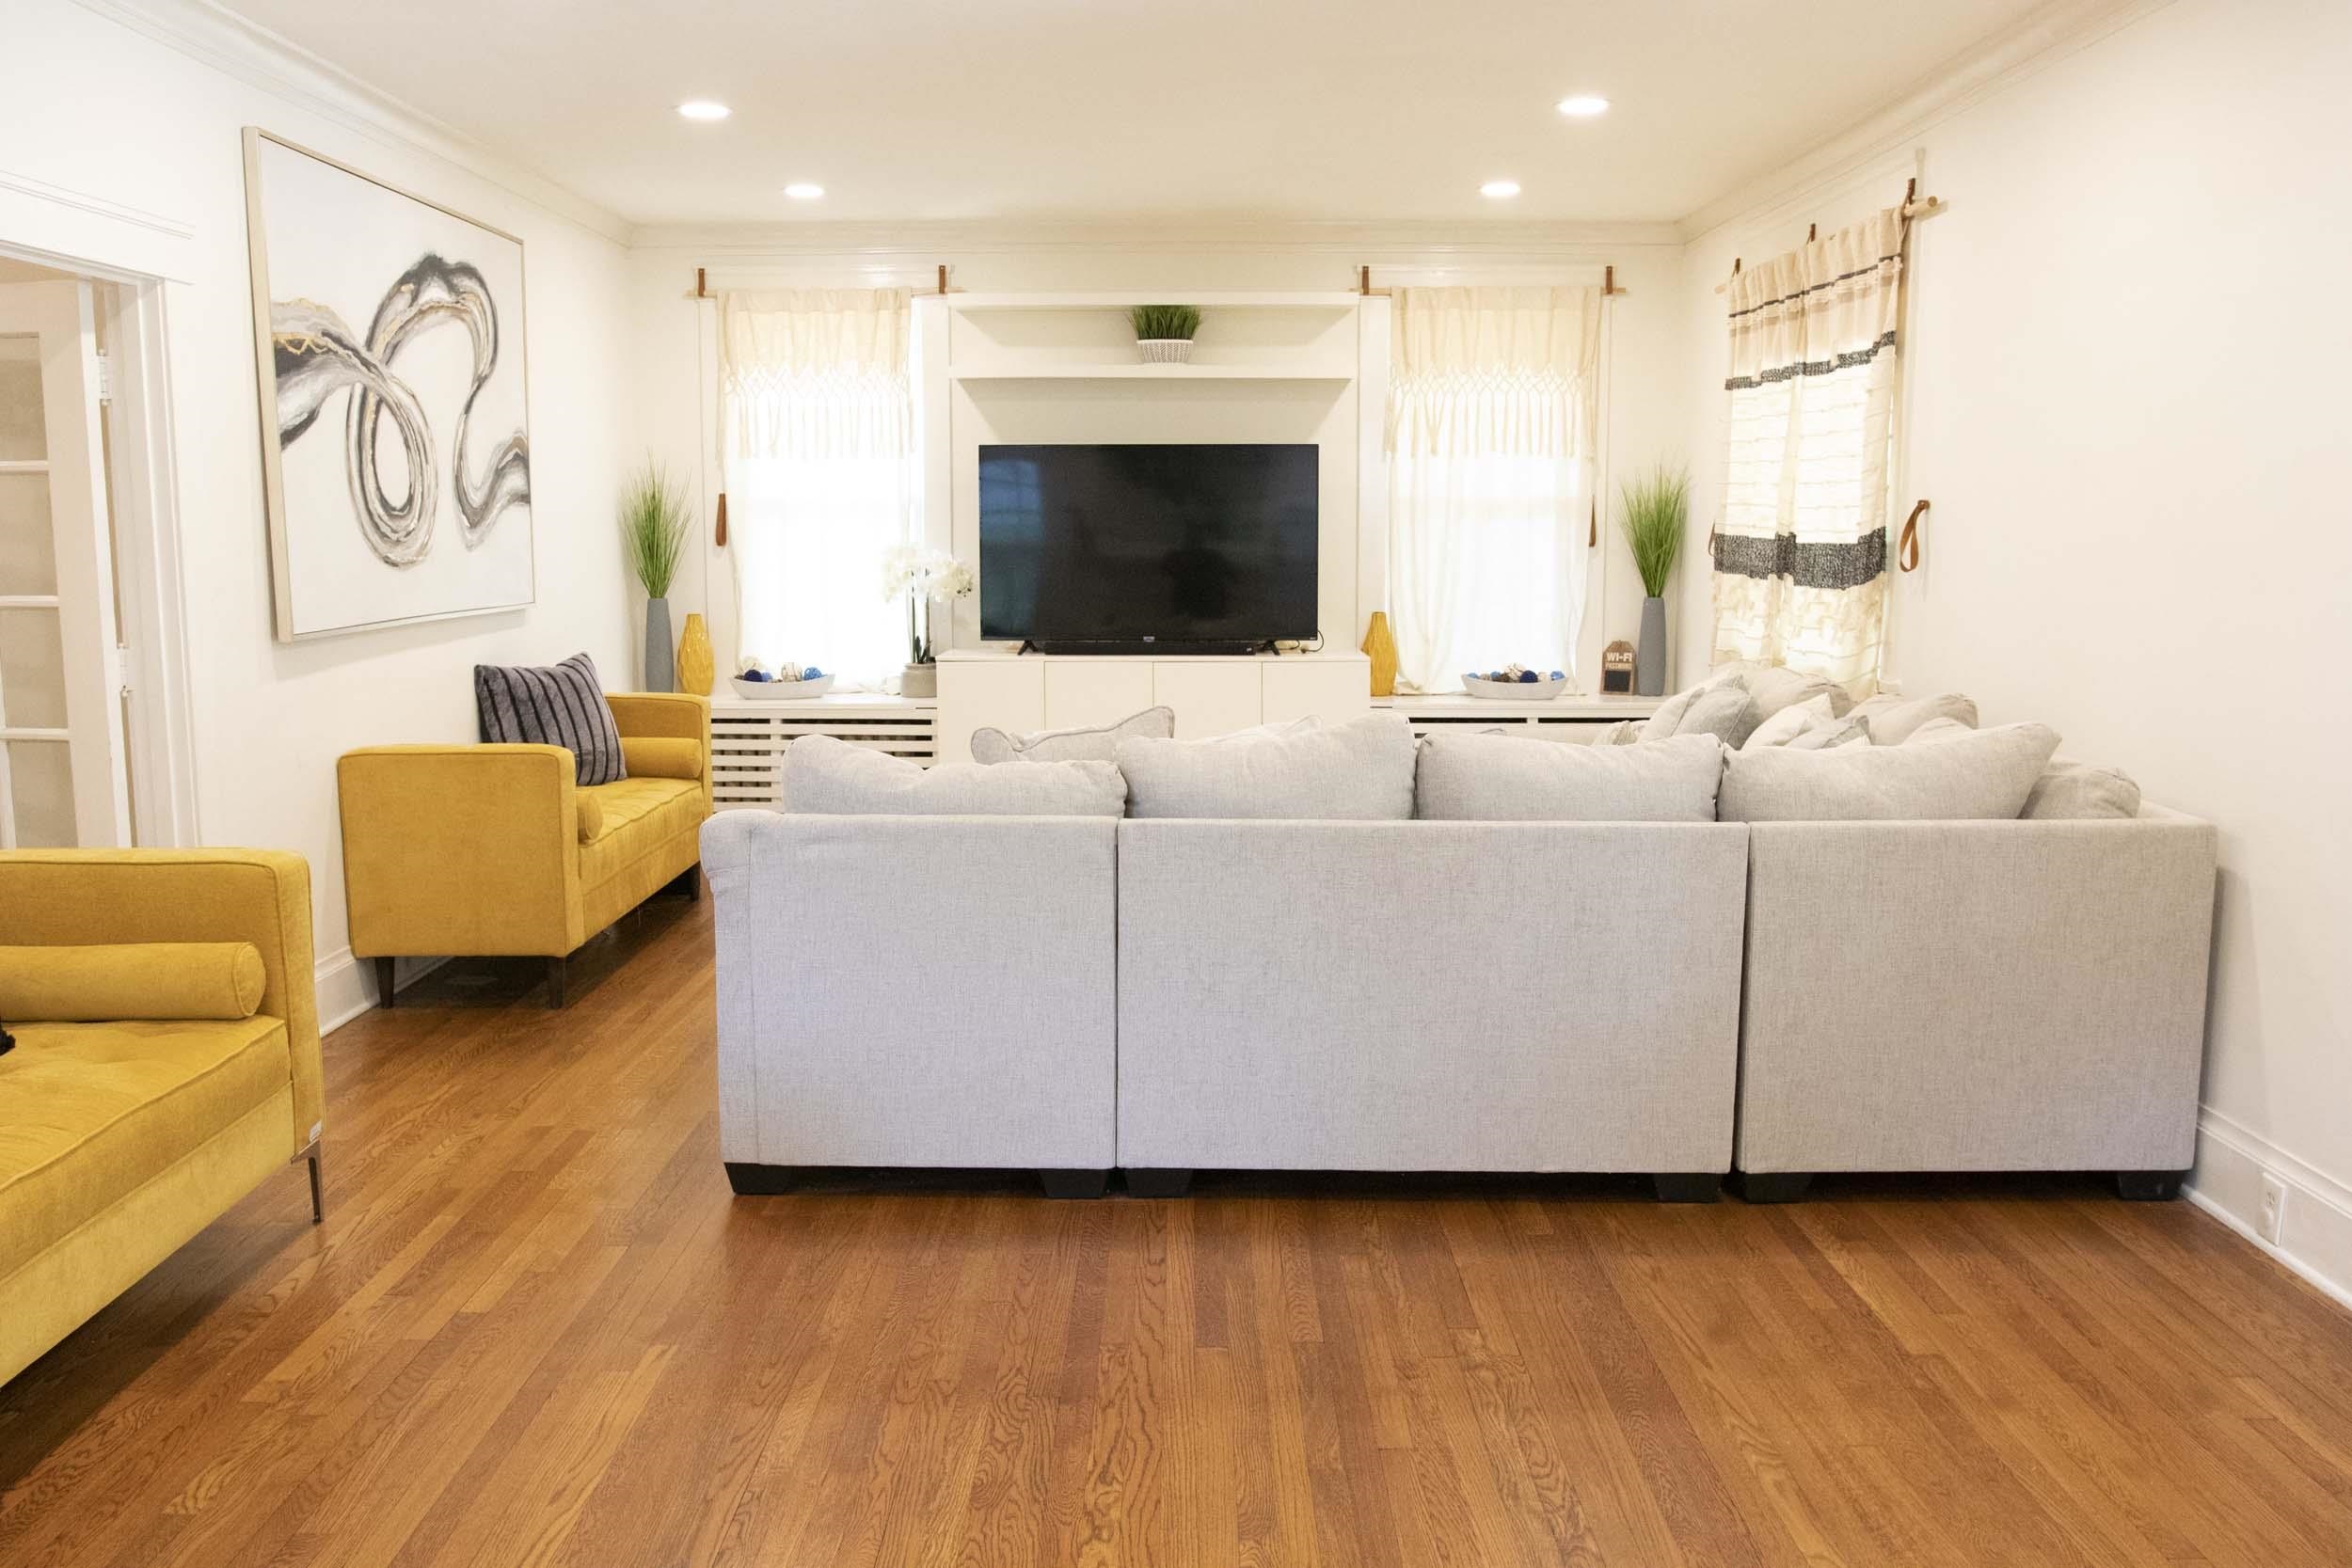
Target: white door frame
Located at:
point(159, 740)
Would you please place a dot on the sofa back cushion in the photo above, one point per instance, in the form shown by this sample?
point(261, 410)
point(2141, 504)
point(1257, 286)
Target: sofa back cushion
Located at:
point(1082, 743)
point(1503, 778)
point(823, 776)
point(1361, 769)
point(1981, 774)
point(561, 704)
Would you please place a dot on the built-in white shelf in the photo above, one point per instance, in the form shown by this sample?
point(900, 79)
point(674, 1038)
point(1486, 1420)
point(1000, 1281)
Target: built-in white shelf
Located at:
point(1149, 372)
point(1294, 300)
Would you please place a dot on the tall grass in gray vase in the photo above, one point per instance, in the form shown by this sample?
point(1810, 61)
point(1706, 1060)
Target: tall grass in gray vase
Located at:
point(1654, 510)
point(653, 531)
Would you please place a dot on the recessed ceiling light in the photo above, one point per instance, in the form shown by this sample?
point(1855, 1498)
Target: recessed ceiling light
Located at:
point(1500, 190)
point(703, 108)
point(800, 190)
point(1583, 105)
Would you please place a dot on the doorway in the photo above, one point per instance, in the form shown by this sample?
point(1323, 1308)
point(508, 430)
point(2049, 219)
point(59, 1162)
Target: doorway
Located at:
point(78, 699)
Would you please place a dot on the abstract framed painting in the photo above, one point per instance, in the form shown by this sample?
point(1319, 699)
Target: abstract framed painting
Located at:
point(395, 398)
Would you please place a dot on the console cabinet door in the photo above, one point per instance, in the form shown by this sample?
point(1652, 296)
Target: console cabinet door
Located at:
point(1210, 696)
point(1332, 690)
point(1096, 691)
point(1009, 693)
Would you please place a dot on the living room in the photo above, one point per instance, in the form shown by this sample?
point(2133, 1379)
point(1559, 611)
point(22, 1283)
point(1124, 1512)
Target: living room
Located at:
point(1646, 947)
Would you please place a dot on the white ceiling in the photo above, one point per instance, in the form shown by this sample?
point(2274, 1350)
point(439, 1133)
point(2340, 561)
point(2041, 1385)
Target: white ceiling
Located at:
point(1111, 111)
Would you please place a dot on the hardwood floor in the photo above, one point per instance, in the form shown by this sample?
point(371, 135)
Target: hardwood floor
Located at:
point(537, 1329)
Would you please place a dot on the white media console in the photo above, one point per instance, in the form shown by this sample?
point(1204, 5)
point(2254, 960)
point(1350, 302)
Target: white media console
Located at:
point(1211, 695)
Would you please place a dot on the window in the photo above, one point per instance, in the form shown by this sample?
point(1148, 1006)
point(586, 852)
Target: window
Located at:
point(1490, 475)
point(819, 424)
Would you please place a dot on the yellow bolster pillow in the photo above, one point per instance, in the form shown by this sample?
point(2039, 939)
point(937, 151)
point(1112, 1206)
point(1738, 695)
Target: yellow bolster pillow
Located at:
point(131, 980)
point(657, 757)
point(591, 816)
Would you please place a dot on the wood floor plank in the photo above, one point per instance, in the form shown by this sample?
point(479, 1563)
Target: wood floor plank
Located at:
point(537, 1328)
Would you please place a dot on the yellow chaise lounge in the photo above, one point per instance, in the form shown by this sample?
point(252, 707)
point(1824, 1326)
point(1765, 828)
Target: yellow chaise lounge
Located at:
point(167, 1061)
point(493, 851)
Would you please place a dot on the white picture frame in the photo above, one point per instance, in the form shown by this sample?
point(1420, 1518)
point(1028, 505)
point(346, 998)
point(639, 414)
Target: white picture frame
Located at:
point(360, 291)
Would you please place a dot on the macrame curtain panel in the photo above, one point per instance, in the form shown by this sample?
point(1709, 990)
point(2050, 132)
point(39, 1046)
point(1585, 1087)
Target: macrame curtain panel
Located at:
point(1799, 554)
point(818, 435)
point(1490, 437)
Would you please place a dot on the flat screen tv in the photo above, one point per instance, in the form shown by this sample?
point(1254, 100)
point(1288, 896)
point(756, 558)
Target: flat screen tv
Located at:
point(1147, 548)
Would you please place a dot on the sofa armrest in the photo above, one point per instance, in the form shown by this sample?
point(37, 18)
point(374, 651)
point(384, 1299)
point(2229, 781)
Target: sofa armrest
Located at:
point(54, 897)
point(666, 715)
point(915, 991)
point(461, 850)
point(1974, 995)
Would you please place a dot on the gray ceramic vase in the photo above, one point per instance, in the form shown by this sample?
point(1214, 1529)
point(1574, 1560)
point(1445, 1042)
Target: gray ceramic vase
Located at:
point(661, 648)
point(1650, 655)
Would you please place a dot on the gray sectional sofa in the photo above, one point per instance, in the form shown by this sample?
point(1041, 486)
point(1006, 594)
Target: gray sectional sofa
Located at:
point(1682, 999)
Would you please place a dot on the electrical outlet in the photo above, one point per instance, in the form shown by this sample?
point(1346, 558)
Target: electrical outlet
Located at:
point(2274, 1200)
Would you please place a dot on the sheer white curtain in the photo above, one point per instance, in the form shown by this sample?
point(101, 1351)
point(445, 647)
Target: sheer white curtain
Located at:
point(1800, 553)
point(1491, 403)
point(817, 425)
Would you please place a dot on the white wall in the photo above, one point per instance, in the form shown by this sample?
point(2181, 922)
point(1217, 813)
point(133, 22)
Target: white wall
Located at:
point(673, 346)
point(113, 120)
point(2128, 400)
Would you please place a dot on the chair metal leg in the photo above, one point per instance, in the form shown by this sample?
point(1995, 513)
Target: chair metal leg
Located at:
point(386, 969)
point(555, 984)
point(318, 1183)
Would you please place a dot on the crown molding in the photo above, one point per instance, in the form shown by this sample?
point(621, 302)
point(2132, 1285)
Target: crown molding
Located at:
point(205, 32)
point(1363, 242)
point(2037, 42)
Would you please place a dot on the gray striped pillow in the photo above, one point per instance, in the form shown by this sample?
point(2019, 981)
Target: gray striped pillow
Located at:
point(561, 705)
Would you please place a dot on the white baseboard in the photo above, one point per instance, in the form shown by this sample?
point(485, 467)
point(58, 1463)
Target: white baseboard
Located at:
point(346, 987)
point(2315, 1220)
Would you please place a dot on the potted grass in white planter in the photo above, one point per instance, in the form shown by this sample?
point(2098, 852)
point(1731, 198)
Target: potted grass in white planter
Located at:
point(1164, 332)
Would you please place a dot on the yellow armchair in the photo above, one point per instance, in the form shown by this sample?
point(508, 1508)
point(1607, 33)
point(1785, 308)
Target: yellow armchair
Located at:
point(120, 1140)
point(496, 851)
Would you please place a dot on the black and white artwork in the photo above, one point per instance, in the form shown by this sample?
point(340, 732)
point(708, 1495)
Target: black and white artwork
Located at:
point(395, 438)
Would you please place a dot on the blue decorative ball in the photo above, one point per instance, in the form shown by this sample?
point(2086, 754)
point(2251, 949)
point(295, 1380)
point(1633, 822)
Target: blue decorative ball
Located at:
point(811, 673)
point(1527, 677)
point(1559, 674)
point(757, 675)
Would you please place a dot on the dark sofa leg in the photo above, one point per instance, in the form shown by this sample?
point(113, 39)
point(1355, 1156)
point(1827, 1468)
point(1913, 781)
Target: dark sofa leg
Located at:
point(750, 1181)
point(1688, 1186)
point(1160, 1181)
point(688, 883)
point(2149, 1186)
point(318, 1189)
point(386, 969)
point(1074, 1183)
point(555, 984)
point(1775, 1186)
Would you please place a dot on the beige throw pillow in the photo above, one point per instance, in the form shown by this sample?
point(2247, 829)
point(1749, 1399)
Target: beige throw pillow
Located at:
point(1079, 743)
point(1893, 718)
point(1362, 768)
point(2078, 791)
point(823, 776)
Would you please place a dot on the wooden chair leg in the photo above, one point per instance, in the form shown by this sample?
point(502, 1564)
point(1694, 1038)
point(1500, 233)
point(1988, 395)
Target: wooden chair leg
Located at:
point(386, 969)
point(555, 984)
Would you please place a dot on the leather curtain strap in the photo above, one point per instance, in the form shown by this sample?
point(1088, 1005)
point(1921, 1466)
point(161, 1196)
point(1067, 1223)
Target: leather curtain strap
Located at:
point(1907, 545)
point(1592, 533)
point(722, 539)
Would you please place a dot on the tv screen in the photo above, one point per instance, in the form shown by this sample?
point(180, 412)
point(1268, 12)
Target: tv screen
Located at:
point(1147, 544)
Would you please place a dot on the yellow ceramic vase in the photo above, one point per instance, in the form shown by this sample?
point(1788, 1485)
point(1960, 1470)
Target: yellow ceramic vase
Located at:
point(694, 667)
point(1382, 647)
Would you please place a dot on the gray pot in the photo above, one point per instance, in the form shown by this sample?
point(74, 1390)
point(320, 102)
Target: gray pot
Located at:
point(661, 648)
point(1650, 655)
point(919, 680)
